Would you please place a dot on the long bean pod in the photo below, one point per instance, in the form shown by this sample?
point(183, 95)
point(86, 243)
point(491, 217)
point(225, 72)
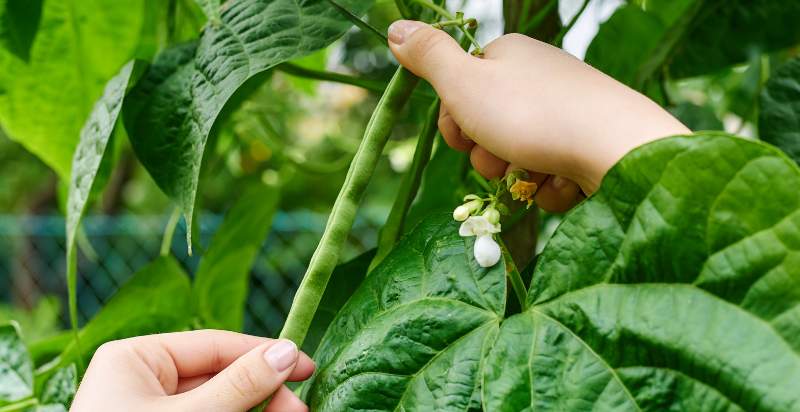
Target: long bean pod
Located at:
point(343, 214)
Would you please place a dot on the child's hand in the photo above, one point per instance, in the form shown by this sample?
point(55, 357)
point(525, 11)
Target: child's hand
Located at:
point(193, 371)
point(531, 105)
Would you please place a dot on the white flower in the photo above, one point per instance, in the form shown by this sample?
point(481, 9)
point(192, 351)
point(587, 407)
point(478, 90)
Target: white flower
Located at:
point(461, 213)
point(478, 226)
point(487, 251)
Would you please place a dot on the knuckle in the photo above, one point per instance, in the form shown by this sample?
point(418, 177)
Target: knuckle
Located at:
point(244, 381)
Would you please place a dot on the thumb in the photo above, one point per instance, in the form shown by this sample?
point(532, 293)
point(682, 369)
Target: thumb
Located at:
point(429, 53)
point(247, 381)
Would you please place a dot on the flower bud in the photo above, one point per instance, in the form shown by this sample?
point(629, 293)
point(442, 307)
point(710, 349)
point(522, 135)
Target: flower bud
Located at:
point(461, 213)
point(492, 215)
point(487, 251)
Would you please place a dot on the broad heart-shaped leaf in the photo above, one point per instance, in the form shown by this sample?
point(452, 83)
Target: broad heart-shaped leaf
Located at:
point(158, 298)
point(61, 387)
point(675, 287)
point(16, 368)
point(170, 114)
point(412, 335)
point(92, 147)
point(222, 280)
point(779, 121)
point(45, 101)
point(19, 21)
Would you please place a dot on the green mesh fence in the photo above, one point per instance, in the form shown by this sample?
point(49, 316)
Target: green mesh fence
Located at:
point(32, 260)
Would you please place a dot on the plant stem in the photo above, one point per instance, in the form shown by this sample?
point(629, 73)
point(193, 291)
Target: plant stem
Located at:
point(360, 23)
point(343, 214)
point(393, 228)
point(169, 231)
point(368, 84)
point(441, 11)
point(537, 20)
point(517, 284)
point(559, 40)
point(72, 299)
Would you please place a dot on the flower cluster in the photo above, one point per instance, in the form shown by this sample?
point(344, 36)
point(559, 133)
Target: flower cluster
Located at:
point(482, 223)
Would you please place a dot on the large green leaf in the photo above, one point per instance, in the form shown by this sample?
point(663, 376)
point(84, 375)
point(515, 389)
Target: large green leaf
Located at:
point(222, 280)
point(80, 45)
point(92, 147)
point(726, 32)
point(634, 43)
point(170, 114)
point(19, 21)
point(675, 287)
point(412, 335)
point(158, 298)
point(16, 368)
point(779, 121)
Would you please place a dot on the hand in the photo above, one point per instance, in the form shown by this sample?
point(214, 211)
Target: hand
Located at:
point(193, 371)
point(533, 106)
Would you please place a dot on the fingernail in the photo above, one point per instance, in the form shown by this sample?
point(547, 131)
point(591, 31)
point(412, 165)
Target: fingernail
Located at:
point(559, 182)
point(281, 355)
point(400, 30)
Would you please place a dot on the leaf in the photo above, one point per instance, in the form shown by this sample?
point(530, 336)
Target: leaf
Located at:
point(634, 43)
point(672, 276)
point(211, 8)
point(345, 279)
point(92, 147)
point(61, 387)
point(675, 287)
point(222, 280)
point(173, 109)
point(779, 121)
point(420, 321)
point(697, 117)
point(442, 183)
point(19, 21)
point(726, 32)
point(16, 368)
point(158, 298)
point(80, 45)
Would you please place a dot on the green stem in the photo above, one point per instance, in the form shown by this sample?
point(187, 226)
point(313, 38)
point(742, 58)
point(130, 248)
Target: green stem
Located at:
point(22, 405)
point(72, 299)
point(441, 11)
point(169, 231)
point(343, 214)
point(393, 228)
point(368, 84)
point(360, 23)
point(559, 40)
point(537, 20)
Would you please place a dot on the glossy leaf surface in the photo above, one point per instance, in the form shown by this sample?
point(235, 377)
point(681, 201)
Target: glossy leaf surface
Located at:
point(173, 109)
point(674, 287)
point(779, 121)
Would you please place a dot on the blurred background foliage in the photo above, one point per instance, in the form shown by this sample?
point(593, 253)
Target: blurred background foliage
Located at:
point(300, 134)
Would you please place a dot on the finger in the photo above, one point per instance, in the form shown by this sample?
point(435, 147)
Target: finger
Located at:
point(285, 400)
point(203, 352)
point(513, 44)
point(187, 384)
point(557, 195)
point(452, 133)
point(487, 164)
point(247, 381)
point(429, 53)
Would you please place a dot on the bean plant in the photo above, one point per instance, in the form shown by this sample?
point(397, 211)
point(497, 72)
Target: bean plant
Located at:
point(676, 286)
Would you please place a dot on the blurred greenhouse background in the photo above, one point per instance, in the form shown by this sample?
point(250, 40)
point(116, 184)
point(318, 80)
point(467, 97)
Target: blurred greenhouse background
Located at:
point(297, 132)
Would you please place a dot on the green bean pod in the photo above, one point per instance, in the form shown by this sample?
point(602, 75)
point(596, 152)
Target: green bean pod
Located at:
point(343, 214)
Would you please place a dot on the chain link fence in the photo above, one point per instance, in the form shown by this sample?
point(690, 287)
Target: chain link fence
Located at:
point(32, 258)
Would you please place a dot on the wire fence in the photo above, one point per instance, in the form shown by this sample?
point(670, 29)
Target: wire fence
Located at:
point(32, 258)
